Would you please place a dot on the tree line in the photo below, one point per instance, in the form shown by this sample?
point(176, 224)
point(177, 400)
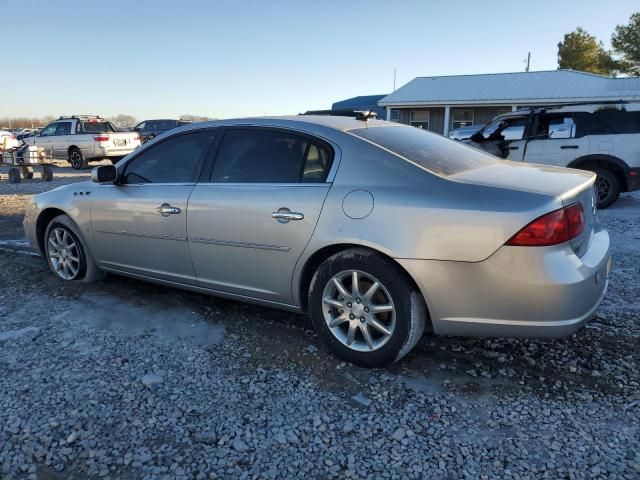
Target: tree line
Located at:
point(582, 51)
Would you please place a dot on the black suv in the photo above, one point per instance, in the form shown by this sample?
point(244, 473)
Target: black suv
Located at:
point(152, 128)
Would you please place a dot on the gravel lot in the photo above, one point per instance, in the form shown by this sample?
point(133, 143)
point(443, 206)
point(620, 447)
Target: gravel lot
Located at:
point(123, 379)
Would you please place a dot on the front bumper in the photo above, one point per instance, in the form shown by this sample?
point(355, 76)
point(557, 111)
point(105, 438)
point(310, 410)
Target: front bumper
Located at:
point(517, 292)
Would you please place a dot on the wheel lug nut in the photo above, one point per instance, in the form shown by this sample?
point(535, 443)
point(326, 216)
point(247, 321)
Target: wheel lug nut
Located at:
point(362, 319)
point(349, 304)
point(352, 316)
point(357, 300)
point(366, 309)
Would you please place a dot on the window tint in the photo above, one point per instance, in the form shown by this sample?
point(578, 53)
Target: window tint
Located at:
point(63, 128)
point(49, 130)
point(506, 129)
point(433, 152)
point(97, 127)
point(619, 121)
point(175, 160)
point(270, 156)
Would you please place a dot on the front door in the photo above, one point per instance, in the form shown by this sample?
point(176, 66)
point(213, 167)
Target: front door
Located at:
point(140, 224)
point(250, 223)
point(45, 138)
point(555, 141)
point(60, 142)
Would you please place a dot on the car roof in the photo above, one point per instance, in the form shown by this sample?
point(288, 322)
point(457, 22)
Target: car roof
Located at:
point(340, 123)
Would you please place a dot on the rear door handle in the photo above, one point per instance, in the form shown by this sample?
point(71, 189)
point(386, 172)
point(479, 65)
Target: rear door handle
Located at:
point(165, 210)
point(284, 215)
point(564, 147)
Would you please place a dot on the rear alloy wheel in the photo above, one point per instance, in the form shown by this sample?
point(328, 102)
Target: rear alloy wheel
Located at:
point(365, 308)
point(77, 160)
point(607, 187)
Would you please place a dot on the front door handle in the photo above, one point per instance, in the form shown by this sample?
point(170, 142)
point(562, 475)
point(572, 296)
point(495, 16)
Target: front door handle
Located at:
point(513, 148)
point(563, 147)
point(284, 215)
point(165, 210)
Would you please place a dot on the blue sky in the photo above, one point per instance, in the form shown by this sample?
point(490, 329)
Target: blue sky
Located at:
point(239, 58)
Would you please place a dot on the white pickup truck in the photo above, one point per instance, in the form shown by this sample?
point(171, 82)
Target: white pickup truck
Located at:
point(81, 139)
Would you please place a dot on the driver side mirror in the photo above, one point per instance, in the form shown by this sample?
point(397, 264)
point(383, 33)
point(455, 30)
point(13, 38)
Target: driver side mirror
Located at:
point(476, 137)
point(104, 174)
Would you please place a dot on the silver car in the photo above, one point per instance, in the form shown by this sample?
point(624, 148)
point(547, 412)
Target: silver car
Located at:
point(377, 230)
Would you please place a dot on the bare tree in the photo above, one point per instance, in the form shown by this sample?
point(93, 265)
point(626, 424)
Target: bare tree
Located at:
point(195, 118)
point(123, 120)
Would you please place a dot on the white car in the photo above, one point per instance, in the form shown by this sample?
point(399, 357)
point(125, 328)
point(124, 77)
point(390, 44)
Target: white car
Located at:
point(81, 139)
point(603, 138)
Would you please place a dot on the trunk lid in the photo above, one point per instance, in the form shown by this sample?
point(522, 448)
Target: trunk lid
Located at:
point(568, 185)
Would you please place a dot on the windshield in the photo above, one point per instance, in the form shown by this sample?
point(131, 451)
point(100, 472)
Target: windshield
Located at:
point(96, 127)
point(435, 153)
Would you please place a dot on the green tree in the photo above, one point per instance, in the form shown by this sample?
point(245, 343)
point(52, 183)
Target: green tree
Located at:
point(581, 51)
point(626, 44)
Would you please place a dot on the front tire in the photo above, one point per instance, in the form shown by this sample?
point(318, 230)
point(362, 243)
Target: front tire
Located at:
point(607, 187)
point(66, 253)
point(77, 160)
point(365, 308)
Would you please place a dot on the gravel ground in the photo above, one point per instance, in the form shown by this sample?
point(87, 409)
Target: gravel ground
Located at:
point(123, 379)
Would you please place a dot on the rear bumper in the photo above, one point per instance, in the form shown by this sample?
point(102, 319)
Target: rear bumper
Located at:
point(106, 152)
point(517, 292)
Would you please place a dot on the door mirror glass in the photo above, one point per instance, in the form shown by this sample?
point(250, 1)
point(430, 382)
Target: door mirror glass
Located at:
point(104, 174)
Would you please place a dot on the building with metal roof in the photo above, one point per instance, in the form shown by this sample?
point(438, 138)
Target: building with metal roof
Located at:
point(443, 103)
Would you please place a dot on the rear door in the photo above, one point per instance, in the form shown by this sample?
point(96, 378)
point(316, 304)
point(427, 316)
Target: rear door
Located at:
point(254, 214)
point(555, 140)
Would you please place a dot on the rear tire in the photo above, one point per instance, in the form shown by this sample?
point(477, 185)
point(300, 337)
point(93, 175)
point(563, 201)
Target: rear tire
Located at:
point(77, 160)
point(607, 187)
point(361, 327)
point(47, 173)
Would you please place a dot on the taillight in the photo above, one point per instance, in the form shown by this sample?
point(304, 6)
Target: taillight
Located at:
point(101, 138)
point(553, 228)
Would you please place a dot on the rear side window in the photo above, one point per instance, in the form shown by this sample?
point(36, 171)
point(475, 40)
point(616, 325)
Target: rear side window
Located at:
point(619, 121)
point(270, 156)
point(175, 160)
point(96, 127)
point(431, 151)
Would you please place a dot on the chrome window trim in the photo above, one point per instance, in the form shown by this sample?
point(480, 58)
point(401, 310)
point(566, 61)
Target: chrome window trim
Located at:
point(263, 184)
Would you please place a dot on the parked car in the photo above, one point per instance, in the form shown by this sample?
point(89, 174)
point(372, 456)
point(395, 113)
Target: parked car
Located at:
point(374, 228)
point(603, 138)
point(81, 139)
point(150, 129)
point(463, 133)
point(8, 140)
point(27, 132)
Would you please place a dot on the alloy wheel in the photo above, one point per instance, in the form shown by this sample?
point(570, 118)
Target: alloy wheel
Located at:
point(603, 188)
point(76, 160)
point(358, 310)
point(63, 253)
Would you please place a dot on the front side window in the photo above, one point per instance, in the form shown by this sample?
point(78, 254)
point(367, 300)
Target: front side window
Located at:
point(175, 160)
point(63, 128)
point(270, 156)
point(49, 130)
point(462, 118)
point(505, 129)
point(420, 119)
point(433, 152)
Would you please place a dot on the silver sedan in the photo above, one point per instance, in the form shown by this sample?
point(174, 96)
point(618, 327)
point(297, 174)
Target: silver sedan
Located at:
point(375, 229)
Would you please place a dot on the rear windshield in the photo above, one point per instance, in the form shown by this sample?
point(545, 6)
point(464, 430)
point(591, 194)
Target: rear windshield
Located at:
point(433, 152)
point(96, 127)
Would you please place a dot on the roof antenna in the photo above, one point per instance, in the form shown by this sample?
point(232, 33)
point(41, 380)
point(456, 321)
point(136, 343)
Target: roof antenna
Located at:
point(528, 62)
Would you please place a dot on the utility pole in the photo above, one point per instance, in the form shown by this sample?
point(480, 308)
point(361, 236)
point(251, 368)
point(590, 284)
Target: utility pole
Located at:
point(528, 61)
point(394, 79)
